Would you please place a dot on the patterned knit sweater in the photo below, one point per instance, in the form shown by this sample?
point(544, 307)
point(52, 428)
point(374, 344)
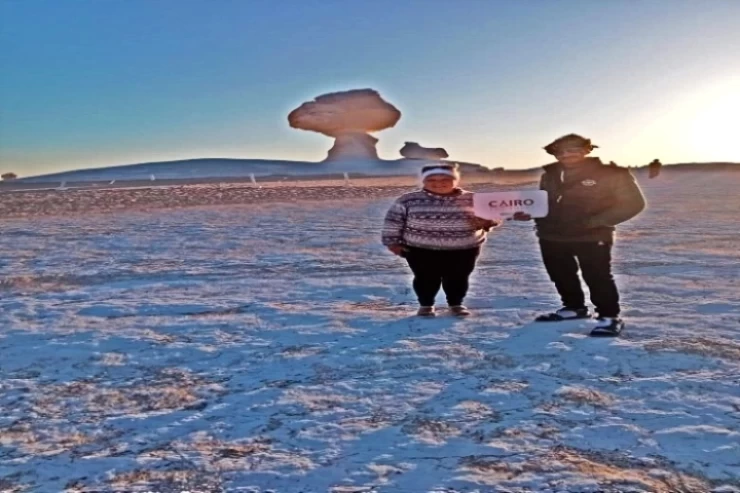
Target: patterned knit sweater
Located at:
point(423, 219)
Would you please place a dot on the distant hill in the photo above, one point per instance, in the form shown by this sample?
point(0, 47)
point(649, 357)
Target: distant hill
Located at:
point(214, 169)
point(671, 168)
point(195, 169)
point(703, 167)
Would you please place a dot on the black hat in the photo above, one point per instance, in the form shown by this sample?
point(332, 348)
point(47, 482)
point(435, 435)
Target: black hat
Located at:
point(570, 140)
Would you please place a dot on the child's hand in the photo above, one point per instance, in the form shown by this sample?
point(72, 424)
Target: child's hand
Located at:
point(485, 224)
point(398, 249)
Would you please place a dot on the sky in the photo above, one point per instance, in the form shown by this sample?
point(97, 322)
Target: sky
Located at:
point(90, 83)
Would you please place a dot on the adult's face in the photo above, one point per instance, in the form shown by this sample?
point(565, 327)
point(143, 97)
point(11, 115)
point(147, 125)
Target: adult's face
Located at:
point(570, 156)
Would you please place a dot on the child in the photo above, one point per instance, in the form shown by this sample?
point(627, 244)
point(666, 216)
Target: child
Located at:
point(587, 199)
point(435, 230)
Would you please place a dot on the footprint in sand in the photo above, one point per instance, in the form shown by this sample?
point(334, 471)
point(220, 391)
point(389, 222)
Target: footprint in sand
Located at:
point(559, 345)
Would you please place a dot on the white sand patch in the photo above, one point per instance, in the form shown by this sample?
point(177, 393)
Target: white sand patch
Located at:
point(271, 345)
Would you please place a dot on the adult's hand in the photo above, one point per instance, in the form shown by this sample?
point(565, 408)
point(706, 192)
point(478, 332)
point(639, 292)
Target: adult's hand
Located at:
point(521, 216)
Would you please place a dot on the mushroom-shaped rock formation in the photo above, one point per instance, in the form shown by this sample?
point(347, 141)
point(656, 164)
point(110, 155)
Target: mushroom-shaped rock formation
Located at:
point(353, 146)
point(347, 116)
point(654, 168)
point(412, 150)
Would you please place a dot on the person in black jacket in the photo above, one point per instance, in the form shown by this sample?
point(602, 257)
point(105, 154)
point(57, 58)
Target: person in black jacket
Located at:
point(587, 199)
point(654, 168)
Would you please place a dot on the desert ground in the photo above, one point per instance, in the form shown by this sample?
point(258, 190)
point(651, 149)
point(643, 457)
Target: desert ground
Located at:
point(226, 337)
point(19, 201)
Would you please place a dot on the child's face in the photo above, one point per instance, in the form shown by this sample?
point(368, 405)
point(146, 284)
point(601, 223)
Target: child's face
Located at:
point(571, 155)
point(441, 184)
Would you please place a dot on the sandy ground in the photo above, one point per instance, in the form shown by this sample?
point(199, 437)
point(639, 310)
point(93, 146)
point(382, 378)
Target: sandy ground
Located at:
point(271, 347)
point(75, 201)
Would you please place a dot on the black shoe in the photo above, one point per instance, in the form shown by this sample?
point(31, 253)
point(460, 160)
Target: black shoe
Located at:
point(608, 327)
point(564, 314)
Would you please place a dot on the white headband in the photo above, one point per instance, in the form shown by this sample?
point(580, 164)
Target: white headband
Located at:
point(439, 171)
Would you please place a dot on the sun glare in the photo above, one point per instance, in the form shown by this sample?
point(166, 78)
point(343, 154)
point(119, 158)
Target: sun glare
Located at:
point(716, 121)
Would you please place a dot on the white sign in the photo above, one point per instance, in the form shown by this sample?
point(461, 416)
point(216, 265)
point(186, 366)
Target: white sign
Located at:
point(498, 205)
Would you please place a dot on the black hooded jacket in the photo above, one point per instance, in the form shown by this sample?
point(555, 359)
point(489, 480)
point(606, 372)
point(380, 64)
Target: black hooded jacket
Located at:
point(587, 202)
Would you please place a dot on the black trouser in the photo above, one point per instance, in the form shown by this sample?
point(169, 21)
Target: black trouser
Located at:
point(562, 260)
point(449, 269)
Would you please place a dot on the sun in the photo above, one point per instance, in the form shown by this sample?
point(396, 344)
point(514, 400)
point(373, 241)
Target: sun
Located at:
point(714, 129)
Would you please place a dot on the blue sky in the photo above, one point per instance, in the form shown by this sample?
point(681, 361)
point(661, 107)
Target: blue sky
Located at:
point(87, 83)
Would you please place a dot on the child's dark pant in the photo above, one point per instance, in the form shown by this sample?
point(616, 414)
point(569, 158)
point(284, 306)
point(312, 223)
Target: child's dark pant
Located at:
point(448, 269)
